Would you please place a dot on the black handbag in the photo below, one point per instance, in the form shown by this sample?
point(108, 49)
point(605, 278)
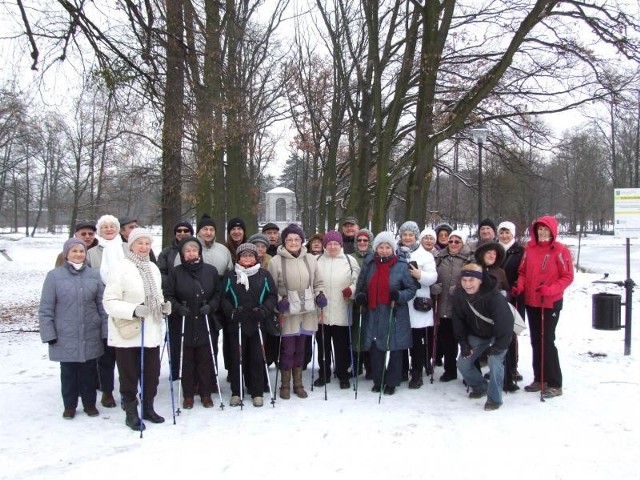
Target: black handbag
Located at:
point(272, 325)
point(422, 304)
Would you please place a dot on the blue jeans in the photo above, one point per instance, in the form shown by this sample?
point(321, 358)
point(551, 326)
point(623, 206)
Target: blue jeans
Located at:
point(474, 377)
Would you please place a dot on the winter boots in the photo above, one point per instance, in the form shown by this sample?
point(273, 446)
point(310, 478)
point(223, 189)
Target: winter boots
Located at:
point(148, 413)
point(107, 400)
point(416, 380)
point(132, 419)
point(298, 388)
point(285, 388)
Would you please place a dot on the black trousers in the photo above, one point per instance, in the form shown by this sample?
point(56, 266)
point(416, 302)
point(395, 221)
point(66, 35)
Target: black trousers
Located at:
point(546, 345)
point(252, 363)
point(197, 368)
point(393, 374)
point(128, 363)
point(339, 336)
point(106, 367)
point(421, 350)
point(447, 345)
point(78, 379)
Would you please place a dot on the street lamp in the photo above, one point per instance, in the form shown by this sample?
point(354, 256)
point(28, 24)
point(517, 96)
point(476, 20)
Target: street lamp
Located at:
point(479, 136)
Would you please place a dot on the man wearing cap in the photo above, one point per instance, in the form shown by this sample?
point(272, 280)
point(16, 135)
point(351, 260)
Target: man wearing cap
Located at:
point(482, 321)
point(85, 230)
point(167, 257)
point(486, 233)
point(272, 231)
point(213, 253)
point(349, 229)
point(127, 225)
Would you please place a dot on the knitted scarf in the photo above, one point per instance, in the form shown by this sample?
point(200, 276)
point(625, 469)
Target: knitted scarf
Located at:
point(378, 289)
point(243, 273)
point(151, 297)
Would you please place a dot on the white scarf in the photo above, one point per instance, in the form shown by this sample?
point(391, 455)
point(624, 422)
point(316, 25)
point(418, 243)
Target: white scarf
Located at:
point(243, 273)
point(507, 246)
point(112, 254)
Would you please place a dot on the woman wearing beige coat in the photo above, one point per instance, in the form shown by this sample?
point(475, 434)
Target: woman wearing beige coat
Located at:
point(296, 274)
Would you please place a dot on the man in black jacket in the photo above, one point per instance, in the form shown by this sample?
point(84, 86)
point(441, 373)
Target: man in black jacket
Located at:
point(482, 321)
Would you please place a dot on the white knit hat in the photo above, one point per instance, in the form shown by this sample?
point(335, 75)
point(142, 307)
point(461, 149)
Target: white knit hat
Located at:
point(458, 233)
point(508, 226)
point(384, 237)
point(137, 233)
point(427, 231)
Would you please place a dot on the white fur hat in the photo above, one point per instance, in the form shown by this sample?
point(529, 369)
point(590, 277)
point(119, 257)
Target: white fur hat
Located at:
point(384, 237)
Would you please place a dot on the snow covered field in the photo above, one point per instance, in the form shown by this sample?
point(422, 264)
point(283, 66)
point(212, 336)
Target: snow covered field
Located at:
point(592, 431)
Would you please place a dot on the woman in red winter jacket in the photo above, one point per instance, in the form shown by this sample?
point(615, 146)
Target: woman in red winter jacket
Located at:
point(545, 272)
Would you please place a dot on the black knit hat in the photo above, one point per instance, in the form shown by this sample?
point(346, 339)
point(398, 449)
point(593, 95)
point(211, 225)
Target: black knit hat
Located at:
point(294, 229)
point(206, 221)
point(184, 242)
point(236, 222)
point(183, 224)
point(487, 222)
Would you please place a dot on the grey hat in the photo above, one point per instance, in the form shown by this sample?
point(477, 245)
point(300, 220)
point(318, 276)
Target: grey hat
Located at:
point(137, 233)
point(259, 238)
point(246, 247)
point(410, 226)
point(85, 224)
point(270, 226)
point(69, 244)
point(350, 219)
point(125, 220)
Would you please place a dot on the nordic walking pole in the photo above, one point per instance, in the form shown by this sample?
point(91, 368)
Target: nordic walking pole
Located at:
point(213, 359)
point(141, 376)
point(281, 321)
point(354, 373)
point(541, 353)
point(433, 341)
point(386, 352)
point(168, 345)
point(240, 364)
point(324, 353)
point(314, 339)
point(266, 367)
point(359, 346)
point(184, 318)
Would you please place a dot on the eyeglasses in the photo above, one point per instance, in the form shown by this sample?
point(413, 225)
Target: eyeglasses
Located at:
point(86, 234)
point(362, 240)
point(455, 242)
point(182, 230)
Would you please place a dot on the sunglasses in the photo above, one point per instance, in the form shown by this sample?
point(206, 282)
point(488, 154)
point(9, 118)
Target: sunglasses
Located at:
point(182, 230)
point(362, 240)
point(455, 242)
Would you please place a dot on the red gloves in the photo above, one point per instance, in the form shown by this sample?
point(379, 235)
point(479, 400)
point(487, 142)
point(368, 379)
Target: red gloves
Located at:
point(346, 293)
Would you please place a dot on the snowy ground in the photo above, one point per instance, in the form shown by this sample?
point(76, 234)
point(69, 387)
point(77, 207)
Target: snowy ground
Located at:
point(592, 431)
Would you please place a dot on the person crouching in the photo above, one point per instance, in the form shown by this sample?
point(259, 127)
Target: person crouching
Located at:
point(482, 321)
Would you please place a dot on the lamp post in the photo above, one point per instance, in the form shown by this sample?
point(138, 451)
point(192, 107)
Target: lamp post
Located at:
point(479, 136)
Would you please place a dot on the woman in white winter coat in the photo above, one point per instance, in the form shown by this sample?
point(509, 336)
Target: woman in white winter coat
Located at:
point(135, 304)
point(423, 269)
point(340, 274)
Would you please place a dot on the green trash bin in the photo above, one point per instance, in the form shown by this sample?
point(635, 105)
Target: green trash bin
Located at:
point(605, 313)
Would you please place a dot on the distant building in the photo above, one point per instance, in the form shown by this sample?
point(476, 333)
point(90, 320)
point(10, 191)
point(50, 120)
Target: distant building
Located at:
point(281, 207)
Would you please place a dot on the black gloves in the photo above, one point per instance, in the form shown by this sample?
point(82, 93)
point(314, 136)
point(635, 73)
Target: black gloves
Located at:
point(52, 342)
point(183, 310)
point(205, 309)
point(394, 295)
point(361, 299)
point(257, 315)
point(465, 350)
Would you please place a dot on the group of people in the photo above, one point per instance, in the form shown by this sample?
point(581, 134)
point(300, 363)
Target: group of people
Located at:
point(391, 309)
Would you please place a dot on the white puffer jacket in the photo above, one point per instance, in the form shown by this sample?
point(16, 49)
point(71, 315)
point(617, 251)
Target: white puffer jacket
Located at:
point(337, 275)
point(428, 277)
point(122, 294)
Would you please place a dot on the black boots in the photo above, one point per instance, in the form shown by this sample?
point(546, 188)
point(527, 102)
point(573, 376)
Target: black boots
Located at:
point(148, 413)
point(132, 419)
